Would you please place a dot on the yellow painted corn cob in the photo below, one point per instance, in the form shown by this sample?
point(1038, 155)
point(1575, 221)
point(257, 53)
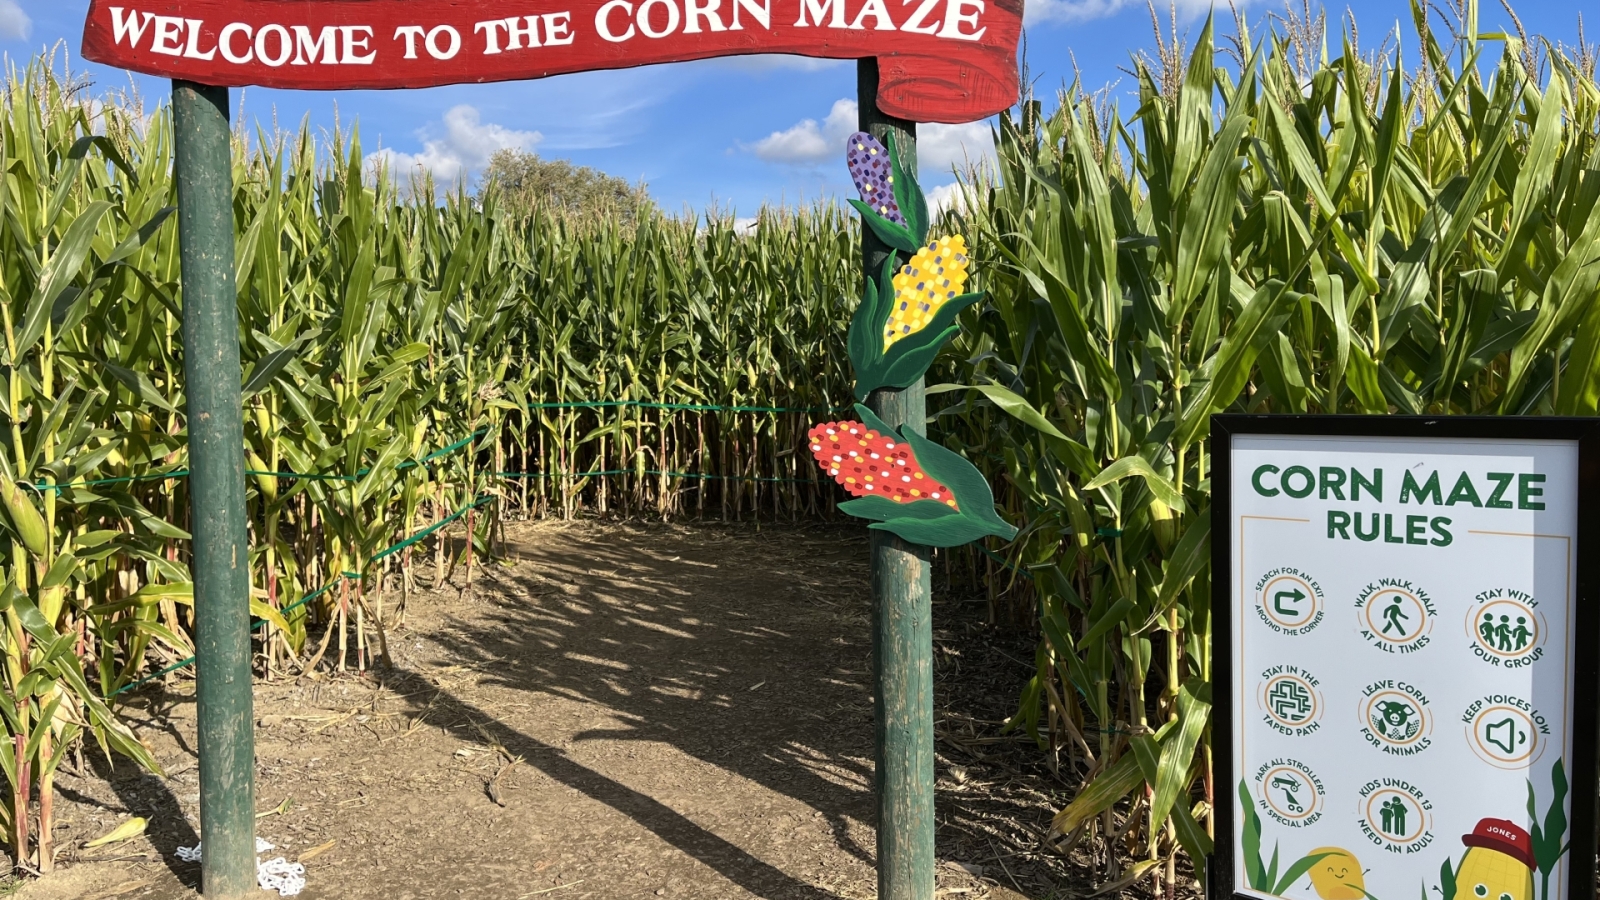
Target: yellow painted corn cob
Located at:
point(935, 276)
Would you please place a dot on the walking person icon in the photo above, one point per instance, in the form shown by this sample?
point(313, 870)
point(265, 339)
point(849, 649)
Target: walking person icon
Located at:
point(1487, 628)
point(1521, 635)
point(1393, 616)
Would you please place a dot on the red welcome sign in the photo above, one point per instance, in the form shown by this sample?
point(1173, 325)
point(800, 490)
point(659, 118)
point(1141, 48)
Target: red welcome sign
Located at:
point(939, 60)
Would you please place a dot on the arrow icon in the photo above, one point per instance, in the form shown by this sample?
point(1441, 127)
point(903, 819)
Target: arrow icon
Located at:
point(1294, 596)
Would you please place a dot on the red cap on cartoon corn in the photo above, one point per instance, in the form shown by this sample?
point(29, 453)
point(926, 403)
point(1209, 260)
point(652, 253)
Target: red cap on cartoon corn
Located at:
point(1504, 836)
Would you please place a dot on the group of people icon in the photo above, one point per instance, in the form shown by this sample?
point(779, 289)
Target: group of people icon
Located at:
point(1393, 812)
point(1504, 636)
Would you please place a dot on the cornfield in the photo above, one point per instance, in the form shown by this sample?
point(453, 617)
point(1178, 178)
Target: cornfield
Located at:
point(1282, 232)
point(1286, 231)
point(409, 364)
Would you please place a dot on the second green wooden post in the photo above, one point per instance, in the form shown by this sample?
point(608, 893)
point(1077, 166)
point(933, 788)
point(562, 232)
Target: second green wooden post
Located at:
point(204, 168)
point(902, 612)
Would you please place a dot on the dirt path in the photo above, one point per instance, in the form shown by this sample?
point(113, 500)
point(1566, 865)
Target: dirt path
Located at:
point(626, 711)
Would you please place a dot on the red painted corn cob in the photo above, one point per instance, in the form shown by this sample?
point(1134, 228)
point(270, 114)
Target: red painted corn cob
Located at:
point(865, 462)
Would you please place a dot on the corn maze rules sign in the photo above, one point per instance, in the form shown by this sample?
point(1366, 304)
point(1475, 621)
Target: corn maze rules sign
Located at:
point(1405, 657)
point(939, 60)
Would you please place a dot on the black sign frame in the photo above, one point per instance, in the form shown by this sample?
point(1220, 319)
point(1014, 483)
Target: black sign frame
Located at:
point(1584, 778)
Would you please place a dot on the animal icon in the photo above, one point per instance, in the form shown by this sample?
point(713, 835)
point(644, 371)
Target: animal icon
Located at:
point(1337, 876)
point(1498, 865)
point(1394, 719)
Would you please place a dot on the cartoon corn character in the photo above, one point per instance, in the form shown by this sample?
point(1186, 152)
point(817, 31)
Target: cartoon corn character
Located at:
point(1498, 865)
point(1337, 876)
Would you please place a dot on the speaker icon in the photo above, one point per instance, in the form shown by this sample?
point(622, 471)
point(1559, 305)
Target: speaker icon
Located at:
point(1508, 735)
point(1505, 735)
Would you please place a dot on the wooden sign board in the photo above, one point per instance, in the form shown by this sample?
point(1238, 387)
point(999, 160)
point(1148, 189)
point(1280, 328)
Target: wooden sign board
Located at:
point(1405, 620)
point(939, 60)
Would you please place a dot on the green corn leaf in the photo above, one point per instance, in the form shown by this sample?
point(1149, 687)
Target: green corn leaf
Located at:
point(1118, 781)
point(1192, 835)
point(1190, 556)
point(1138, 466)
point(1233, 360)
point(65, 264)
point(1114, 615)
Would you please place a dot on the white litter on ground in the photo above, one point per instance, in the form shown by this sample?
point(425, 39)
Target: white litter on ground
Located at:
point(277, 874)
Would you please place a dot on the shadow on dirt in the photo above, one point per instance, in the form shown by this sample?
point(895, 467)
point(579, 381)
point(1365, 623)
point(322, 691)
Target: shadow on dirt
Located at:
point(742, 678)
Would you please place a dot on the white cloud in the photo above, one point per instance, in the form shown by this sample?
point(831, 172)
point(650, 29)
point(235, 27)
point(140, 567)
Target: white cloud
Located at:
point(941, 147)
point(813, 143)
point(464, 148)
point(946, 196)
point(808, 143)
point(14, 23)
point(1067, 11)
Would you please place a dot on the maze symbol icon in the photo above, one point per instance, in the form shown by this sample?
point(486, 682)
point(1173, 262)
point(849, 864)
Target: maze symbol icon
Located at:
point(1290, 700)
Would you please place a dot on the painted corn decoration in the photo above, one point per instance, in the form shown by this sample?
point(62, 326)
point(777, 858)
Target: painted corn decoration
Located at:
point(905, 484)
point(933, 277)
point(866, 462)
point(908, 311)
point(870, 168)
point(902, 482)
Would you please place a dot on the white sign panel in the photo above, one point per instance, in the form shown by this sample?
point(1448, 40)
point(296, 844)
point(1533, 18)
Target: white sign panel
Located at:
point(1401, 665)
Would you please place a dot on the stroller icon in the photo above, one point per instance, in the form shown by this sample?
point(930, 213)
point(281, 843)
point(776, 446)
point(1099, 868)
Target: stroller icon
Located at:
point(1290, 787)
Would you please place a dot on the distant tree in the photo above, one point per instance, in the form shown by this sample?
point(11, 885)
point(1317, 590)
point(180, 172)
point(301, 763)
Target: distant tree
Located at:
point(524, 181)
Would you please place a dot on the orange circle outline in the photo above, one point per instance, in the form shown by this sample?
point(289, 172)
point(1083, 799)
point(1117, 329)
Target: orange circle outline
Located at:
point(1477, 637)
point(1310, 782)
point(1535, 745)
point(1366, 612)
point(1422, 827)
point(1266, 608)
point(1422, 709)
point(1316, 701)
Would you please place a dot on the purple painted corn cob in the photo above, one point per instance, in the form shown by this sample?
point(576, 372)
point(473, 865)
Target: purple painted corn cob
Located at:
point(874, 177)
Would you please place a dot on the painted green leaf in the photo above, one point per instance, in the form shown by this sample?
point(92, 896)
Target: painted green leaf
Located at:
point(948, 531)
point(1300, 867)
point(894, 235)
point(882, 509)
point(1250, 839)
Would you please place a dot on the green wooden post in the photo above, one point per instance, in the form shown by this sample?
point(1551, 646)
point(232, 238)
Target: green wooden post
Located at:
point(204, 166)
point(902, 612)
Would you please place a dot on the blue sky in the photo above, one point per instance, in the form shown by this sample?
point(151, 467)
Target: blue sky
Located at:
point(736, 132)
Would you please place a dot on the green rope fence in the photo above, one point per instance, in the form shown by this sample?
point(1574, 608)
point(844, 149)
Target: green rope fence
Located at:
point(476, 504)
point(683, 407)
point(343, 576)
point(452, 448)
point(657, 472)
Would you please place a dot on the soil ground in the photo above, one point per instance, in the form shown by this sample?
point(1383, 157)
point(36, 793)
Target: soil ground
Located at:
point(619, 711)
